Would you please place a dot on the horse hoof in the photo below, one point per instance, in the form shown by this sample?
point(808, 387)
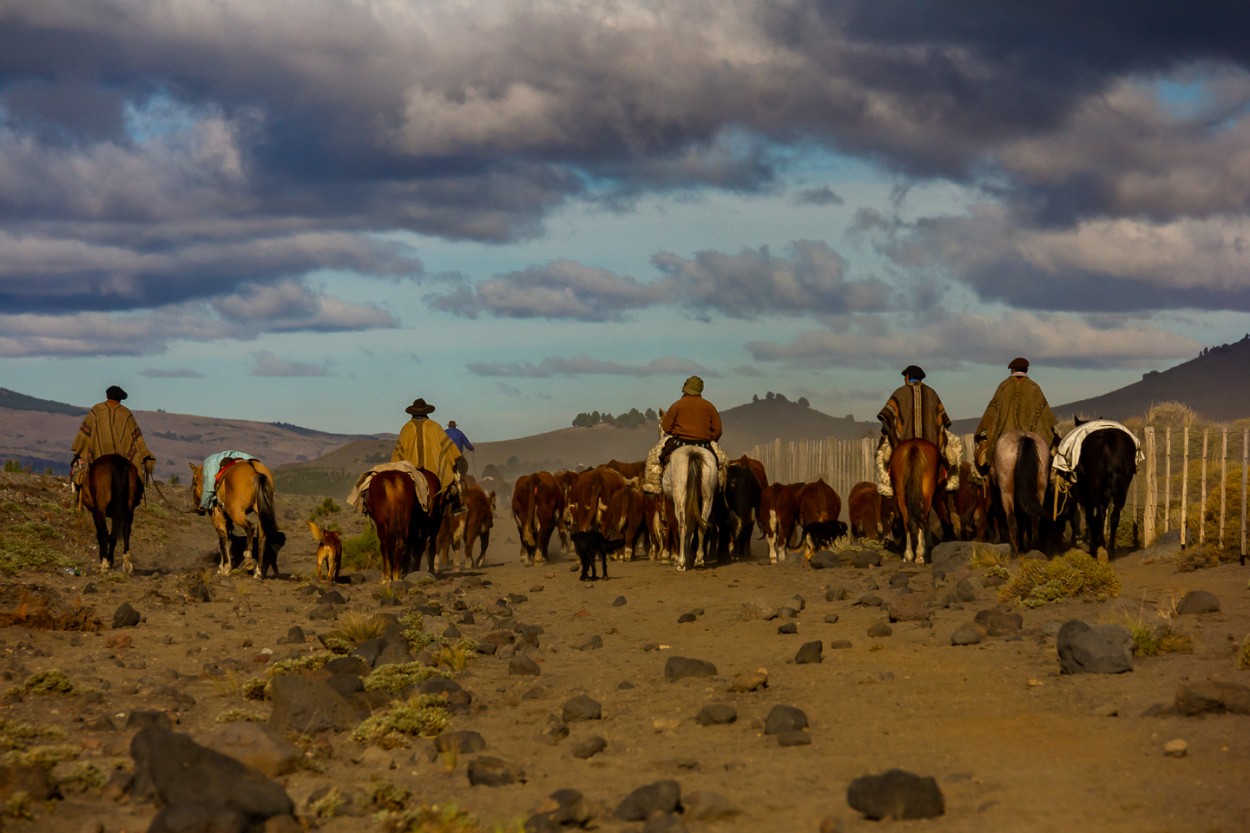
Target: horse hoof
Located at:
point(104, 565)
point(128, 566)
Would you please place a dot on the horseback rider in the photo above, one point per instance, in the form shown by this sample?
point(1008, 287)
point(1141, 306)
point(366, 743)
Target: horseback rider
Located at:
point(691, 420)
point(110, 428)
point(425, 444)
point(462, 442)
point(915, 411)
point(1017, 405)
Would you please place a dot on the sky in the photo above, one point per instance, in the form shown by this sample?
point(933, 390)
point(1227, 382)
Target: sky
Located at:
point(315, 212)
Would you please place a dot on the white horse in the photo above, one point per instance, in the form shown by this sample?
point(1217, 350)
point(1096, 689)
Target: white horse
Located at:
point(690, 479)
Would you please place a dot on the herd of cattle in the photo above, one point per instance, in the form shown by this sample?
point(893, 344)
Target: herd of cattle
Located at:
point(603, 512)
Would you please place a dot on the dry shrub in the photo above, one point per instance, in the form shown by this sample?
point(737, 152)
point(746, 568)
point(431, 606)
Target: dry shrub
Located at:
point(422, 716)
point(1243, 655)
point(1071, 575)
point(1210, 515)
point(38, 609)
point(1173, 415)
point(1196, 558)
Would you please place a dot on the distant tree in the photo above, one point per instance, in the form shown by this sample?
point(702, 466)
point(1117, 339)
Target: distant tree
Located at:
point(632, 419)
point(803, 403)
point(582, 420)
point(608, 419)
point(595, 417)
point(769, 396)
point(755, 397)
point(651, 415)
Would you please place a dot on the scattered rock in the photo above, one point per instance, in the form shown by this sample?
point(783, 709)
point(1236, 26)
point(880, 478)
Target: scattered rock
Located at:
point(840, 644)
point(619, 601)
point(824, 560)
point(1096, 649)
point(125, 616)
point(678, 668)
point(686, 617)
point(896, 795)
point(592, 644)
point(909, 608)
point(590, 747)
point(999, 622)
point(809, 652)
point(257, 745)
point(880, 629)
point(759, 610)
point(968, 635)
point(582, 707)
point(1212, 696)
point(1176, 748)
point(522, 666)
point(716, 714)
point(784, 719)
point(706, 807)
point(660, 797)
point(1198, 602)
point(750, 681)
point(788, 628)
point(489, 771)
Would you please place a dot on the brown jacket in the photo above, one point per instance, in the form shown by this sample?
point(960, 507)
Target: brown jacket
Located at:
point(692, 418)
point(1017, 405)
point(111, 429)
point(914, 411)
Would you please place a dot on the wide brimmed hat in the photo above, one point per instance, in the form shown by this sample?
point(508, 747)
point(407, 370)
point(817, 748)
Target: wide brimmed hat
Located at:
point(693, 385)
point(115, 393)
point(1019, 363)
point(419, 407)
point(913, 372)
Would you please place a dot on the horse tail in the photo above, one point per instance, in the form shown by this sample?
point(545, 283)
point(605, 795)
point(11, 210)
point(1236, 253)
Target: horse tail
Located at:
point(1025, 477)
point(914, 486)
point(264, 504)
point(694, 490)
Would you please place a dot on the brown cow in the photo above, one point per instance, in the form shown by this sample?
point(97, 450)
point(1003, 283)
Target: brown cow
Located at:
point(779, 509)
point(970, 519)
point(872, 516)
point(565, 478)
point(629, 471)
point(661, 536)
point(537, 506)
point(461, 530)
point(756, 467)
point(588, 499)
point(626, 518)
point(819, 507)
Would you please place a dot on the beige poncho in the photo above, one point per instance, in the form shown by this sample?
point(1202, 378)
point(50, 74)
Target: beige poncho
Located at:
point(111, 429)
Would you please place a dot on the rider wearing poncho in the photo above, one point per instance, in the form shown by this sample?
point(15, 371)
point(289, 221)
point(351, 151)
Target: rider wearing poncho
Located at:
point(1017, 405)
point(110, 428)
point(425, 444)
point(915, 411)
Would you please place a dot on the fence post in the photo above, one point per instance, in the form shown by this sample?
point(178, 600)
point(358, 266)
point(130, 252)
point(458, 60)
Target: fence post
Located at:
point(1184, 485)
point(1245, 464)
point(1202, 500)
point(1167, 479)
point(1148, 516)
point(1223, 476)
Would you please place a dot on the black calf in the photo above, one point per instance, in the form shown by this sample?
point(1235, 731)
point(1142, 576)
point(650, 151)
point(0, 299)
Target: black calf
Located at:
point(590, 544)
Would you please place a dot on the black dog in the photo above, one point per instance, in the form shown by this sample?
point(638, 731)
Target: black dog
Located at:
point(590, 544)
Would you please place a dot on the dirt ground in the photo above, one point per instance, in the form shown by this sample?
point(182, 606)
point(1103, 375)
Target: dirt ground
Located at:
point(1012, 744)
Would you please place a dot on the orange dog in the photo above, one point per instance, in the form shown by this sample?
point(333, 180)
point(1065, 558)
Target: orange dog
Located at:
point(329, 552)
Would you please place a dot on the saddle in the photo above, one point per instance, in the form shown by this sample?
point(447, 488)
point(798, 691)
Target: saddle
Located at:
point(224, 467)
point(674, 443)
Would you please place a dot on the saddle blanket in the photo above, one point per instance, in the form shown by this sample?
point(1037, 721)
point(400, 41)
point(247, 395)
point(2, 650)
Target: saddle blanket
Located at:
point(1068, 453)
point(357, 496)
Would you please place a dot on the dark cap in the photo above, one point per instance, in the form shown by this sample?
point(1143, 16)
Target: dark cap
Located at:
point(419, 407)
point(913, 372)
point(1019, 363)
point(115, 393)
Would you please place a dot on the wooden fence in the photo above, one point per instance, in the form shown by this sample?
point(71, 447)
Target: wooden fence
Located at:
point(1193, 480)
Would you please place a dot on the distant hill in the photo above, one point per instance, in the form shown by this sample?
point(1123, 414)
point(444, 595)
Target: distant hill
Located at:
point(38, 433)
point(745, 426)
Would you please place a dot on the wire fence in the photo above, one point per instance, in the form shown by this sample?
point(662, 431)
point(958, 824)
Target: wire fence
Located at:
point(1193, 480)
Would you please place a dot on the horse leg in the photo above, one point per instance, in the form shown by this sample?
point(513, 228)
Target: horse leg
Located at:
point(221, 525)
point(102, 539)
point(128, 566)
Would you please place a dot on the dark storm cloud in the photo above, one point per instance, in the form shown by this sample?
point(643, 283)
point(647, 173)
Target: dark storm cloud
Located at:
point(154, 154)
point(823, 195)
point(562, 289)
point(171, 373)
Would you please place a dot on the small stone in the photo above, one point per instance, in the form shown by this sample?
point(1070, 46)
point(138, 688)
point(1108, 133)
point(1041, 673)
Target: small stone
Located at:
point(590, 747)
point(880, 629)
point(678, 668)
point(750, 681)
point(1176, 748)
point(619, 601)
point(521, 666)
point(716, 714)
point(788, 628)
point(582, 707)
point(809, 652)
point(831, 619)
point(686, 617)
point(785, 719)
point(125, 616)
point(968, 635)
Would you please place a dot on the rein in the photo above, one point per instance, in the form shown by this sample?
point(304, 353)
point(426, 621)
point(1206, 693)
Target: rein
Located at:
point(156, 483)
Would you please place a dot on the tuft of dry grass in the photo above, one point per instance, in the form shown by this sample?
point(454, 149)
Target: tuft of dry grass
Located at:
point(441, 818)
point(1071, 575)
point(1242, 660)
point(397, 677)
point(422, 716)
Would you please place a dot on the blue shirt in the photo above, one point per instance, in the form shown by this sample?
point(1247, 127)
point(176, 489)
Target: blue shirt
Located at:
point(212, 463)
point(457, 436)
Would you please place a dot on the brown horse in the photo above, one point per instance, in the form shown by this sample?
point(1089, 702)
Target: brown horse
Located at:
point(111, 491)
point(244, 487)
point(914, 470)
point(405, 529)
point(1019, 470)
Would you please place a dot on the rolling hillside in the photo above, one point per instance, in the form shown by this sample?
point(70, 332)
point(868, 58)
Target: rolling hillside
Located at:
point(38, 432)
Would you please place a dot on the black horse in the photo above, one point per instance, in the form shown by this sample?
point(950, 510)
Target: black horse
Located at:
point(1103, 473)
